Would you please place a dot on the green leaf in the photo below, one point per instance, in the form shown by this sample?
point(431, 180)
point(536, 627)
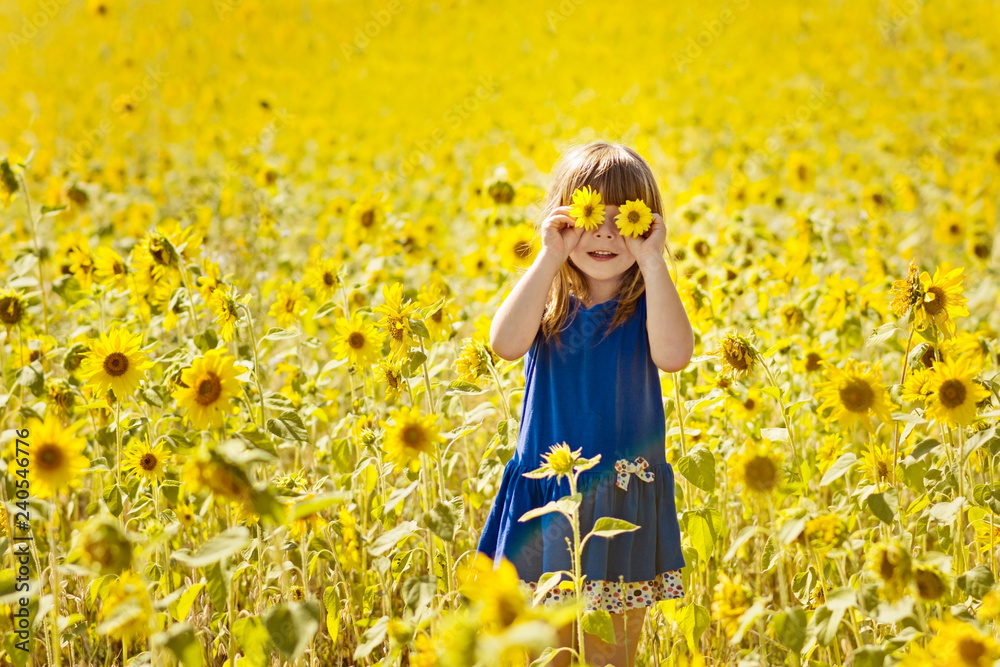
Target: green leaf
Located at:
point(598, 622)
point(773, 392)
point(254, 641)
point(182, 642)
point(419, 328)
point(698, 467)
point(741, 539)
point(839, 468)
point(445, 518)
point(216, 549)
point(374, 636)
point(775, 434)
point(325, 310)
point(112, 495)
point(289, 426)
point(461, 388)
point(609, 527)
point(331, 601)
point(292, 626)
point(924, 447)
point(565, 505)
point(390, 539)
point(700, 535)
point(884, 505)
point(181, 607)
point(317, 504)
point(277, 333)
point(790, 628)
point(946, 512)
point(977, 582)
point(693, 620)
point(869, 656)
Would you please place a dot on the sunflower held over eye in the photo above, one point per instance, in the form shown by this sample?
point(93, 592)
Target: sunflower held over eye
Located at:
point(942, 301)
point(587, 208)
point(357, 340)
point(953, 392)
point(854, 394)
point(211, 382)
point(409, 435)
point(115, 362)
point(56, 456)
point(634, 218)
point(146, 461)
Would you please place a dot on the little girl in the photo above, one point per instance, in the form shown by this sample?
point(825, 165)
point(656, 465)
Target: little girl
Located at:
point(598, 316)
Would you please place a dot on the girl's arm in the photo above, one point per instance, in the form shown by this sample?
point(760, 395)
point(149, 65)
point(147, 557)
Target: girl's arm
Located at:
point(671, 340)
point(516, 323)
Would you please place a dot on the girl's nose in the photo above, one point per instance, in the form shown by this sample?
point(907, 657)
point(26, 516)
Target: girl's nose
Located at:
point(607, 230)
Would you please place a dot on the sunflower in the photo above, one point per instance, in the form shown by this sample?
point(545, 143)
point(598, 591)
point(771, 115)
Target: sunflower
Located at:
point(792, 317)
point(127, 592)
point(906, 292)
point(634, 218)
point(917, 386)
point(518, 246)
point(356, 340)
point(365, 219)
point(730, 600)
point(854, 394)
point(748, 408)
point(439, 322)
point(146, 461)
point(289, 304)
point(226, 306)
point(892, 564)
point(322, 276)
point(931, 583)
point(110, 269)
point(409, 435)
point(390, 373)
point(116, 363)
point(396, 319)
point(954, 392)
point(560, 460)
point(825, 532)
point(56, 456)
point(8, 182)
point(757, 468)
point(953, 643)
point(878, 464)
point(475, 360)
point(498, 591)
point(210, 384)
point(814, 356)
point(587, 208)
point(942, 300)
point(801, 170)
point(737, 354)
point(209, 280)
point(13, 308)
point(951, 228)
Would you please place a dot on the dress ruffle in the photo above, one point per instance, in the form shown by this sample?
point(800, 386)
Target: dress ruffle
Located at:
point(613, 596)
point(542, 544)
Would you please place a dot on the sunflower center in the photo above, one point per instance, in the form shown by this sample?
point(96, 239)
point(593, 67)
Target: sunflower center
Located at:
point(148, 462)
point(413, 435)
point(209, 389)
point(522, 249)
point(952, 393)
point(934, 301)
point(329, 279)
point(588, 211)
point(857, 396)
point(761, 474)
point(159, 252)
point(356, 340)
point(438, 314)
point(633, 217)
point(115, 364)
point(971, 650)
point(50, 457)
point(803, 172)
point(749, 404)
point(10, 310)
point(367, 218)
point(886, 568)
point(813, 360)
point(736, 359)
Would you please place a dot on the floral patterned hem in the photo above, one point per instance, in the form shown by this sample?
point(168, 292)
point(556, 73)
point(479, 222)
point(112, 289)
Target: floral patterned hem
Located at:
point(610, 595)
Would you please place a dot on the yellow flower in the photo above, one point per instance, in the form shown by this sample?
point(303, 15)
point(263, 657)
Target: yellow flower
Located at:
point(737, 354)
point(356, 340)
point(110, 269)
point(953, 392)
point(475, 360)
point(792, 317)
point(365, 219)
point(396, 319)
point(497, 591)
point(892, 564)
point(146, 461)
point(55, 456)
point(854, 394)
point(730, 600)
point(13, 308)
point(128, 591)
point(634, 218)
point(227, 313)
point(409, 435)
point(116, 363)
point(518, 246)
point(953, 643)
point(801, 170)
point(209, 280)
point(587, 208)
point(559, 461)
point(321, 275)
point(942, 300)
point(388, 372)
point(289, 304)
point(102, 546)
point(906, 292)
point(757, 468)
point(825, 532)
point(878, 464)
point(917, 385)
point(210, 384)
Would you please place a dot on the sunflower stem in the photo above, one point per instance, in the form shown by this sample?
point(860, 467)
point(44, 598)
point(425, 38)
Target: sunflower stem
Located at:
point(427, 379)
point(187, 292)
point(895, 426)
point(54, 582)
point(256, 363)
point(38, 254)
point(503, 394)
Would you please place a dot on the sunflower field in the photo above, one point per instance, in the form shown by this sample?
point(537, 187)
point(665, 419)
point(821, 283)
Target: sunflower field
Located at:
point(251, 251)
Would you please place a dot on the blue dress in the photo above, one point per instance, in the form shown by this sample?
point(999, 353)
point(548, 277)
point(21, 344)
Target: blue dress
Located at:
point(604, 397)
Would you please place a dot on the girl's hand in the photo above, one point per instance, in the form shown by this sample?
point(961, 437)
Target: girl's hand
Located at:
point(650, 244)
point(560, 233)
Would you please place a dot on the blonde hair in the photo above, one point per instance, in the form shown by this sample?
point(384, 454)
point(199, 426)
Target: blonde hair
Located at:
point(620, 174)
